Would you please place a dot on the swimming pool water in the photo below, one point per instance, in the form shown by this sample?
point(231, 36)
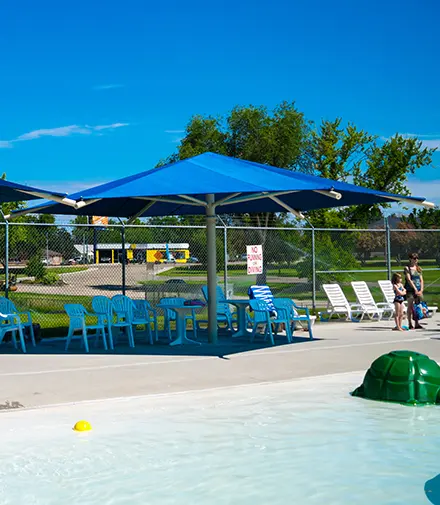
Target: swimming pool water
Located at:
point(302, 442)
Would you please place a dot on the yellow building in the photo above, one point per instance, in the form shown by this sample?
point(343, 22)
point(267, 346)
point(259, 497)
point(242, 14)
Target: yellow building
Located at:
point(141, 253)
point(160, 253)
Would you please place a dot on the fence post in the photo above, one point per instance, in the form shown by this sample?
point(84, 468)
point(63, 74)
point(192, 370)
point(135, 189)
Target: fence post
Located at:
point(313, 270)
point(388, 247)
point(124, 257)
point(6, 258)
point(225, 238)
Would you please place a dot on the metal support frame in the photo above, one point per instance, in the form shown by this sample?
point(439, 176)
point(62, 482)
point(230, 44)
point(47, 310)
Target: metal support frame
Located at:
point(124, 257)
point(212, 268)
point(225, 254)
point(313, 270)
point(388, 247)
point(6, 255)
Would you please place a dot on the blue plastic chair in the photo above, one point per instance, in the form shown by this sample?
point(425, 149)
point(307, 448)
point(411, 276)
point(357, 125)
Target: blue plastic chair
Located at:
point(12, 323)
point(77, 322)
point(224, 313)
point(292, 313)
point(170, 315)
point(262, 315)
point(144, 314)
point(123, 308)
point(102, 308)
point(7, 307)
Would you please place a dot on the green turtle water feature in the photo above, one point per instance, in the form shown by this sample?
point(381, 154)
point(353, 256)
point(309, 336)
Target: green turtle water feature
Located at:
point(404, 377)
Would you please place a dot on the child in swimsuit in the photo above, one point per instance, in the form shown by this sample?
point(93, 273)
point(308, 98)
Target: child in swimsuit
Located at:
point(399, 297)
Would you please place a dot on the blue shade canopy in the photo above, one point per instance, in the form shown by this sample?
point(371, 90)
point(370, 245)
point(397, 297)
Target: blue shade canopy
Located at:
point(239, 186)
point(13, 192)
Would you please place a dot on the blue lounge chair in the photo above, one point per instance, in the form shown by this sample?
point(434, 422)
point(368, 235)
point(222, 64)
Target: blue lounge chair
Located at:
point(289, 307)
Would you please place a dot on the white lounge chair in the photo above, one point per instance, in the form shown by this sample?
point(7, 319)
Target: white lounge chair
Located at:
point(388, 294)
point(339, 305)
point(371, 308)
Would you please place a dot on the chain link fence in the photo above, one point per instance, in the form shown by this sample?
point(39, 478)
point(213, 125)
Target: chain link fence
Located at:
point(51, 265)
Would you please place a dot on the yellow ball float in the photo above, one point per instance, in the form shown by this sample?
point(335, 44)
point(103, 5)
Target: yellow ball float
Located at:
point(82, 426)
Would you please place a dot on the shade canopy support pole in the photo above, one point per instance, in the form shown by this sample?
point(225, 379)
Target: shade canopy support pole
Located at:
point(212, 268)
point(6, 254)
point(123, 257)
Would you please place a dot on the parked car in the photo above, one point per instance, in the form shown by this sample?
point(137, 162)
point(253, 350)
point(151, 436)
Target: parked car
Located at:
point(193, 259)
point(175, 281)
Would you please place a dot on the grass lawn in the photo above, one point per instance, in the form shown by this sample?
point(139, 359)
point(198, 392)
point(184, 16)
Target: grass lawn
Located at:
point(20, 272)
point(66, 270)
point(233, 271)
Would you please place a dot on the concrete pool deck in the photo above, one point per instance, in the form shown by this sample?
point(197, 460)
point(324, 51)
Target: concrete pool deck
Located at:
point(49, 376)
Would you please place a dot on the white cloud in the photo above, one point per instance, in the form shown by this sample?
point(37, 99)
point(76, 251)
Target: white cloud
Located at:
point(431, 143)
point(107, 86)
point(61, 131)
point(174, 131)
point(429, 140)
point(429, 189)
point(67, 186)
point(109, 126)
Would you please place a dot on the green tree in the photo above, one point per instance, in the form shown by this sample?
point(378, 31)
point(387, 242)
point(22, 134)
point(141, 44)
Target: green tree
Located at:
point(352, 155)
point(369, 242)
point(428, 242)
point(387, 169)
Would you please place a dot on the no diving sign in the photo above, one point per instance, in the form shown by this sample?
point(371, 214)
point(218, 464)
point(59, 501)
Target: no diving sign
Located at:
point(254, 259)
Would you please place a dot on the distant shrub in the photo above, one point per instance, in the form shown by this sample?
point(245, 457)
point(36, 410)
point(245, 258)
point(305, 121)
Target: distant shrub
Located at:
point(49, 278)
point(35, 268)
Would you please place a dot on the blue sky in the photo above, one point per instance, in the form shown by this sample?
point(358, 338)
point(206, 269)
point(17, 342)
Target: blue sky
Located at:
point(95, 90)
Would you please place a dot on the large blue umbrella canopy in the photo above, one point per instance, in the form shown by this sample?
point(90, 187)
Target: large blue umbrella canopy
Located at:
point(214, 184)
point(239, 186)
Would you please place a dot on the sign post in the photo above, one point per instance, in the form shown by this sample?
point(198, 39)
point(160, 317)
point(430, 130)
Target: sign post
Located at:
point(101, 221)
point(254, 259)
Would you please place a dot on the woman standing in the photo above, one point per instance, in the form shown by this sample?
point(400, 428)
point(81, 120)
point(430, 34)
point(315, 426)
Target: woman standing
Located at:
point(414, 286)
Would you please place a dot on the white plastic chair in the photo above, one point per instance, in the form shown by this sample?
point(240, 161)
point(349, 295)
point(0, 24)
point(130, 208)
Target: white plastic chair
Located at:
point(388, 294)
point(12, 323)
point(7, 307)
point(102, 308)
point(371, 308)
point(339, 305)
point(170, 315)
point(77, 322)
point(123, 309)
